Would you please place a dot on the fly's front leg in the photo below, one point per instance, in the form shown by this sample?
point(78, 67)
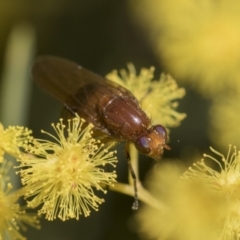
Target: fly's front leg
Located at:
point(131, 170)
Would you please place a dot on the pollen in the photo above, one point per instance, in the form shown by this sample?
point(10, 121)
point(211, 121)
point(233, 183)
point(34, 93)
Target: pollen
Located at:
point(12, 139)
point(226, 183)
point(64, 176)
point(13, 216)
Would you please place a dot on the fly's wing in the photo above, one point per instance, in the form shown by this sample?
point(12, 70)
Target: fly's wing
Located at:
point(77, 88)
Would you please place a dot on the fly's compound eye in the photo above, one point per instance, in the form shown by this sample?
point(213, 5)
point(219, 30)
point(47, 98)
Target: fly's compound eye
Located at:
point(143, 145)
point(161, 131)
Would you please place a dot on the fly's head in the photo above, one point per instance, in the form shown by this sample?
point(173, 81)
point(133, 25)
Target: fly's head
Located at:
point(153, 142)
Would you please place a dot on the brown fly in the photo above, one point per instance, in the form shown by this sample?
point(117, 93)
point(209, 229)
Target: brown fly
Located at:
point(112, 109)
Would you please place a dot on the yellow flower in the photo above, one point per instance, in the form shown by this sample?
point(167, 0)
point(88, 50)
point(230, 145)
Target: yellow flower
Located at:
point(157, 97)
point(225, 119)
point(13, 138)
point(226, 182)
point(13, 216)
point(185, 216)
point(202, 204)
point(64, 179)
point(197, 41)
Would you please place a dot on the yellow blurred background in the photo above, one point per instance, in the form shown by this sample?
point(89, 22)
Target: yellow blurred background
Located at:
point(196, 43)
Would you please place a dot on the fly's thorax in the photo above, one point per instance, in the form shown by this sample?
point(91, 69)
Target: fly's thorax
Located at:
point(123, 117)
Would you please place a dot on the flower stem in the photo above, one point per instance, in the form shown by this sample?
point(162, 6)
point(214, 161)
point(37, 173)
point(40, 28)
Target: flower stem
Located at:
point(127, 189)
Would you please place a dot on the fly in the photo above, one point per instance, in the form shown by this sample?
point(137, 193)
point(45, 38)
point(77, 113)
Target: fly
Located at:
point(111, 108)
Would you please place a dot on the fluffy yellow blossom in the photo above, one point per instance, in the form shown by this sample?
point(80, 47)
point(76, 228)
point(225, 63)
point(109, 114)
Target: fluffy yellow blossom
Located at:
point(13, 138)
point(198, 41)
point(13, 216)
point(201, 204)
point(65, 179)
point(225, 120)
point(225, 182)
point(189, 208)
point(157, 97)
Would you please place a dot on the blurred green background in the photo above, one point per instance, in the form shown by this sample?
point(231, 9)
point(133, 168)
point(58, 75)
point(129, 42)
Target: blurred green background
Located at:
point(100, 35)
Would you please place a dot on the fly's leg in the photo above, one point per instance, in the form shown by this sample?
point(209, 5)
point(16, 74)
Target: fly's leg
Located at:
point(131, 170)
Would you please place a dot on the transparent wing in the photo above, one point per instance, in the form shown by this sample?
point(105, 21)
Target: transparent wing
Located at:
point(77, 88)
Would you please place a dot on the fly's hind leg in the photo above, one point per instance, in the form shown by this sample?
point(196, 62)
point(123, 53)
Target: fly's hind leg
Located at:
point(131, 170)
